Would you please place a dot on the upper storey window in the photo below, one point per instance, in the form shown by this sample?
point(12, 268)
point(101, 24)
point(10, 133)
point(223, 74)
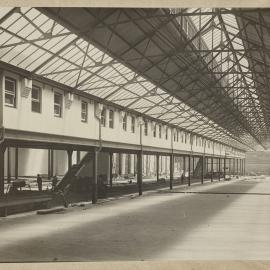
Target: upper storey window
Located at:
point(103, 117)
point(10, 92)
point(84, 111)
point(36, 99)
point(111, 119)
point(58, 98)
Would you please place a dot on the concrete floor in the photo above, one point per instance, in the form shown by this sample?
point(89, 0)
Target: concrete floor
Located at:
point(221, 220)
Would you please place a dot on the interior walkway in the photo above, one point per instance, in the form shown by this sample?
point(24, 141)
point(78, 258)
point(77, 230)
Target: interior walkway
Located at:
point(221, 220)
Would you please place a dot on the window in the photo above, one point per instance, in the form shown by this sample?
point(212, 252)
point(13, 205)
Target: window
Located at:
point(166, 134)
point(36, 99)
point(125, 122)
point(155, 131)
point(58, 105)
point(145, 128)
point(84, 111)
point(10, 92)
point(111, 118)
point(103, 117)
point(159, 131)
point(133, 124)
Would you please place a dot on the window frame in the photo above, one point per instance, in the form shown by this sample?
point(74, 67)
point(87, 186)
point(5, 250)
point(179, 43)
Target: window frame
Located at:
point(7, 92)
point(36, 101)
point(83, 102)
point(111, 119)
point(60, 105)
point(103, 117)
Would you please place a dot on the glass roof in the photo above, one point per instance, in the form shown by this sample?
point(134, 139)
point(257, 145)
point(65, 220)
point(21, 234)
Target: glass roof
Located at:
point(34, 42)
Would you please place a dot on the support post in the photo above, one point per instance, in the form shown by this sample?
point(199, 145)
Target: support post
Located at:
point(120, 164)
point(52, 162)
point(184, 168)
point(244, 167)
point(193, 166)
point(8, 165)
point(189, 169)
point(224, 169)
point(2, 170)
point(171, 170)
point(212, 169)
point(69, 152)
point(16, 162)
point(139, 172)
point(49, 163)
point(78, 157)
point(157, 167)
point(219, 169)
point(202, 169)
point(111, 167)
point(95, 177)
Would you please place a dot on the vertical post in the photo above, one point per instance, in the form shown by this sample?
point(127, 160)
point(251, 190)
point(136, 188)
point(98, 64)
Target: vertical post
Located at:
point(171, 170)
point(139, 172)
point(120, 164)
point(52, 162)
point(212, 169)
point(8, 165)
point(16, 162)
point(219, 169)
point(95, 177)
point(224, 168)
point(78, 157)
point(237, 172)
point(69, 152)
point(202, 169)
point(234, 166)
point(184, 168)
point(189, 169)
point(193, 166)
point(244, 167)
point(111, 167)
point(157, 167)
point(49, 163)
point(2, 170)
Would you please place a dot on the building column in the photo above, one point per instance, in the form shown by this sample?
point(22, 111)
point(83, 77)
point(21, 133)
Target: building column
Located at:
point(193, 166)
point(49, 163)
point(157, 167)
point(111, 168)
point(212, 169)
point(224, 168)
point(2, 170)
point(16, 162)
point(8, 165)
point(69, 152)
point(189, 169)
point(95, 177)
point(139, 171)
point(244, 167)
point(120, 164)
point(202, 169)
point(52, 162)
point(171, 170)
point(184, 168)
point(78, 157)
point(219, 168)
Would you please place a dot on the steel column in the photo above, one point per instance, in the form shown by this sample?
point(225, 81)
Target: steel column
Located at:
point(111, 167)
point(224, 168)
point(16, 162)
point(69, 152)
point(212, 168)
point(49, 163)
point(52, 162)
point(189, 169)
point(139, 172)
point(157, 167)
point(219, 168)
point(78, 157)
point(95, 177)
point(171, 170)
point(2, 170)
point(8, 165)
point(202, 169)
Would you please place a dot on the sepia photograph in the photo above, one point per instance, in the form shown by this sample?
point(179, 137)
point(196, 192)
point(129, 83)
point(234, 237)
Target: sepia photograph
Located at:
point(134, 134)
